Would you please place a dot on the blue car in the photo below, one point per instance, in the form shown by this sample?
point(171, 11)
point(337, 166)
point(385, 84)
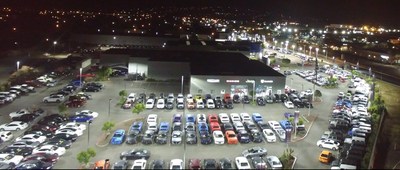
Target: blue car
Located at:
point(190, 118)
point(177, 118)
point(203, 127)
point(285, 124)
point(257, 117)
point(136, 127)
point(164, 126)
point(118, 137)
point(80, 118)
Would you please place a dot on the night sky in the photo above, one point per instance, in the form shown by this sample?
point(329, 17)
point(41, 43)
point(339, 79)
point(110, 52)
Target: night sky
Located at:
point(377, 12)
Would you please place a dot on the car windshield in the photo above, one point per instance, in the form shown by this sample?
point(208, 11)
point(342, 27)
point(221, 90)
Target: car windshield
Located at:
point(117, 135)
point(243, 164)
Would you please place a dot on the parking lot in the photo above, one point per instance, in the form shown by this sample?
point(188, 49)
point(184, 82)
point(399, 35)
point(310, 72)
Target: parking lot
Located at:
point(305, 150)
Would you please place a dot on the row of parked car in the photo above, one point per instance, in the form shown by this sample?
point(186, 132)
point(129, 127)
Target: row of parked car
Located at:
point(44, 142)
point(349, 129)
point(257, 156)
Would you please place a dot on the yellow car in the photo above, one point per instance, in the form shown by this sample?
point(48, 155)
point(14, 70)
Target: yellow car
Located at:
point(326, 157)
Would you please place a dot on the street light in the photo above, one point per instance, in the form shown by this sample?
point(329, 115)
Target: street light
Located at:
point(333, 58)
point(310, 51)
point(17, 65)
point(326, 54)
point(316, 72)
point(344, 65)
point(54, 47)
point(109, 106)
point(182, 85)
point(293, 47)
point(80, 77)
point(88, 136)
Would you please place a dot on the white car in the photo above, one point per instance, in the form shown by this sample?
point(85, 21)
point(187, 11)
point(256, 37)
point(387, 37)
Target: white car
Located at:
point(189, 96)
point(176, 164)
point(238, 126)
point(242, 163)
point(152, 118)
point(16, 125)
point(139, 164)
point(149, 104)
point(74, 125)
point(245, 117)
point(219, 138)
point(269, 135)
point(224, 118)
point(54, 99)
point(11, 158)
point(49, 149)
point(210, 104)
point(328, 144)
point(201, 118)
point(235, 117)
point(6, 136)
point(274, 124)
point(69, 131)
point(32, 138)
point(274, 162)
point(200, 104)
point(19, 113)
point(88, 113)
point(152, 126)
point(160, 104)
point(281, 134)
point(289, 104)
point(131, 97)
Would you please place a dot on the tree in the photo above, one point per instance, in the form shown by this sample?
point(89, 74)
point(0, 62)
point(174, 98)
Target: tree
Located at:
point(104, 73)
point(62, 108)
point(85, 156)
point(138, 108)
point(317, 93)
point(287, 158)
point(107, 126)
point(286, 61)
point(123, 93)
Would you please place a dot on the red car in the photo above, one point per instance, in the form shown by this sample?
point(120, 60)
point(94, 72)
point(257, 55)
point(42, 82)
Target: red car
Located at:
point(75, 103)
point(215, 126)
point(50, 158)
point(212, 118)
point(86, 75)
point(47, 128)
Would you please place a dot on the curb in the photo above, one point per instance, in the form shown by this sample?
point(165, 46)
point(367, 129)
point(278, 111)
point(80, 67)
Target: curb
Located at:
point(308, 130)
point(294, 162)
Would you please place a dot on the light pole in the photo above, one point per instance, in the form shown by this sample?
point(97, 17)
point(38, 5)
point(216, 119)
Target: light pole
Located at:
point(80, 77)
point(109, 106)
point(344, 65)
point(291, 82)
point(88, 136)
point(293, 47)
point(333, 58)
point(326, 54)
point(17, 65)
point(275, 44)
point(316, 72)
point(183, 115)
point(281, 46)
point(182, 85)
point(54, 47)
point(310, 51)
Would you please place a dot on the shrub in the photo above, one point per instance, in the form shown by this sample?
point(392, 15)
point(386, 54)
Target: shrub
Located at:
point(287, 158)
point(286, 61)
point(317, 93)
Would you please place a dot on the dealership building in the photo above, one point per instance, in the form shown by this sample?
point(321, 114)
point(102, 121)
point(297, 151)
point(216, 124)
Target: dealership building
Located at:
point(208, 71)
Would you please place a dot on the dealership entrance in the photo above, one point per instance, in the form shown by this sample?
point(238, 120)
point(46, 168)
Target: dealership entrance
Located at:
point(240, 90)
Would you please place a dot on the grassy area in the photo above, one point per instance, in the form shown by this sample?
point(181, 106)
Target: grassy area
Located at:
point(391, 127)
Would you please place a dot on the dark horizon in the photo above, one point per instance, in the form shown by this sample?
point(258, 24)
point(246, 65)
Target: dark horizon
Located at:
point(369, 12)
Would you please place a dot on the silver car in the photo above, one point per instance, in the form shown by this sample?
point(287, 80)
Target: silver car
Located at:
point(176, 137)
point(254, 151)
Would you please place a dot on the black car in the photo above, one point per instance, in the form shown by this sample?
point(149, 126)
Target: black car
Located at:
point(148, 137)
point(249, 125)
point(210, 164)
point(142, 98)
point(65, 136)
point(162, 137)
point(157, 164)
point(95, 84)
point(60, 142)
point(135, 154)
point(90, 89)
point(225, 163)
point(133, 138)
point(258, 162)
point(205, 138)
point(218, 102)
point(26, 118)
point(246, 99)
point(207, 96)
point(229, 104)
point(236, 98)
point(308, 105)
point(4, 165)
point(260, 101)
point(152, 96)
point(56, 117)
point(34, 164)
point(277, 98)
point(169, 105)
point(122, 164)
point(39, 132)
point(297, 103)
point(24, 151)
point(118, 73)
point(243, 136)
point(283, 97)
point(263, 125)
point(227, 126)
point(191, 137)
point(256, 136)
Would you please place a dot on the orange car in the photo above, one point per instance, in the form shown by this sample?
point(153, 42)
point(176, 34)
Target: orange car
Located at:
point(326, 157)
point(215, 126)
point(231, 137)
point(102, 164)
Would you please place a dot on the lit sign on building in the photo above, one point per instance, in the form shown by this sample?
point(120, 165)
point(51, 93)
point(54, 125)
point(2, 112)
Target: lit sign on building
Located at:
point(266, 81)
point(232, 81)
point(213, 80)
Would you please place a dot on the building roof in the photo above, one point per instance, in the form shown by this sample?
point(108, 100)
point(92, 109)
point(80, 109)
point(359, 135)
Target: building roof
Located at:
point(205, 62)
